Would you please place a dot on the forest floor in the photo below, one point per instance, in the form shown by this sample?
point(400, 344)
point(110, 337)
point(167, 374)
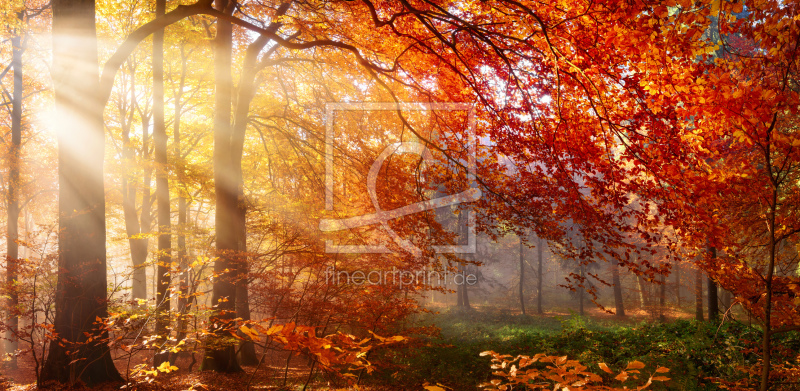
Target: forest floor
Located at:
point(188, 377)
point(696, 352)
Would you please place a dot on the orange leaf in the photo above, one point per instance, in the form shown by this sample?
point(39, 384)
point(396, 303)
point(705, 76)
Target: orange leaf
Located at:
point(635, 365)
point(604, 367)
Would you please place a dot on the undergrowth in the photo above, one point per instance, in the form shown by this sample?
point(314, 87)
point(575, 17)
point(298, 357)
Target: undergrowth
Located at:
point(697, 353)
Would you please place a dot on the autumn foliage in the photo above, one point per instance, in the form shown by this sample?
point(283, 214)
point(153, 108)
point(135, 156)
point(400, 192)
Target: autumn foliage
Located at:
point(560, 373)
point(189, 176)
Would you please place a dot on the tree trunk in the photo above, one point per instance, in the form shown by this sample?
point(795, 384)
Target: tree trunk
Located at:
point(725, 301)
point(698, 295)
point(539, 275)
point(713, 301)
point(662, 299)
point(766, 338)
point(139, 289)
point(247, 90)
point(460, 289)
point(183, 279)
point(221, 356)
point(162, 191)
point(713, 297)
point(465, 291)
point(12, 254)
point(642, 292)
point(581, 290)
point(228, 151)
point(81, 295)
point(615, 280)
point(678, 284)
point(138, 245)
point(521, 277)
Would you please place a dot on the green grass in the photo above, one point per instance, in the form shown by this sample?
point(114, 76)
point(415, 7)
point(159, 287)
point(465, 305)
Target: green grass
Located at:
point(692, 350)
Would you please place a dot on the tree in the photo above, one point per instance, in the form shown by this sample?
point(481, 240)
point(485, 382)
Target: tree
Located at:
point(221, 355)
point(698, 295)
point(713, 301)
point(619, 304)
point(183, 205)
point(13, 191)
point(539, 274)
point(678, 284)
point(521, 277)
point(136, 223)
point(82, 349)
point(246, 93)
point(739, 170)
point(162, 188)
point(462, 291)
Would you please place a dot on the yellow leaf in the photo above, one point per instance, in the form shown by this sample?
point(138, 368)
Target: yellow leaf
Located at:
point(249, 332)
point(274, 329)
point(166, 367)
point(715, 7)
point(177, 349)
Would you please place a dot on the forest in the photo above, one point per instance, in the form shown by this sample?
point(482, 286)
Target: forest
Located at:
point(427, 195)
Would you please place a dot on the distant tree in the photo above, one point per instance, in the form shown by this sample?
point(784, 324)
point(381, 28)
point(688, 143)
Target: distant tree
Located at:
point(521, 276)
point(619, 304)
point(713, 297)
point(698, 295)
point(539, 275)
